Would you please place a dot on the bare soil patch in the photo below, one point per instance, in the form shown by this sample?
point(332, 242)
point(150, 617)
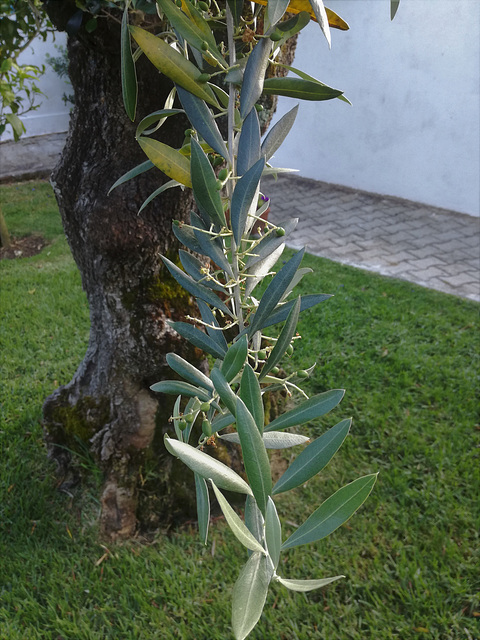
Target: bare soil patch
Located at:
point(25, 247)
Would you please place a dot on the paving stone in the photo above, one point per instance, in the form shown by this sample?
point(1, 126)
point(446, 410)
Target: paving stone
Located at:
point(458, 280)
point(424, 263)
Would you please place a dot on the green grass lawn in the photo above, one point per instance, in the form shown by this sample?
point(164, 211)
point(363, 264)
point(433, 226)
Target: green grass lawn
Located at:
point(408, 358)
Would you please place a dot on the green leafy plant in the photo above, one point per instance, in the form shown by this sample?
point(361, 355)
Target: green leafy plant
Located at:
point(20, 23)
point(227, 256)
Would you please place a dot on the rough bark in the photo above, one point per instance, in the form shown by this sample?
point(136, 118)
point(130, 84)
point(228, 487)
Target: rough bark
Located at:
point(107, 406)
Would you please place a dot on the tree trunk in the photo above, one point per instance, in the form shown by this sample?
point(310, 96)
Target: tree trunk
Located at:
point(107, 407)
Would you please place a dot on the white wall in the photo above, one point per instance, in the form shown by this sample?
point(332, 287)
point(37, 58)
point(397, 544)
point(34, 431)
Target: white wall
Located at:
point(413, 129)
point(52, 116)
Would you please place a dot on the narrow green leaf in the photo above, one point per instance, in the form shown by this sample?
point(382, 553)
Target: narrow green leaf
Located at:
point(251, 395)
point(168, 185)
point(281, 312)
point(274, 292)
point(222, 421)
point(215, 334)
point(271, 439)
point(306, 76)
point(393, 8)
point(204, 184)
point(269, 244)
point(223, 389)
point(220, 93)
point(194, 267)
point(167, 159)
point(239, 529)
point(249, 594)
point(254, 519)
point(299, 88)
point(188, 371)
point(202, 120)
point(210, 246)
point(244, 199)
point(322, 18)
point(173, 64)
point(133, 173)
point(248, 143)
point(280, 440)
point(173, 387)
point(255, 458)
point(129, 74)
point(196, 289)
point(186, 237)
point(292, 26)
point(273, 532)
point(284, 339)
point(236, 7)
point(207, 467)
point(154, 119)
point(296, 279)
point(234, 358)
point(314, 458)
point(199, 21)
point(275, 12)
point(278, 133)
point(189, 30)
point(198, 338)
point(176, 418)
point(203, 507)
point(306, 585)
point(254, 76)
point(334, 512)
point(312, 408)
point(259, 270)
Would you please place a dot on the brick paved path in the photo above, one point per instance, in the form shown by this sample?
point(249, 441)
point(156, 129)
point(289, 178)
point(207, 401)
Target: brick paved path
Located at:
point(432, 247)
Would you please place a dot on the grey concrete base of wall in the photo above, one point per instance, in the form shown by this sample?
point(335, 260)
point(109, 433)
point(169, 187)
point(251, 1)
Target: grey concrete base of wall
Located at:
point(30, 157)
